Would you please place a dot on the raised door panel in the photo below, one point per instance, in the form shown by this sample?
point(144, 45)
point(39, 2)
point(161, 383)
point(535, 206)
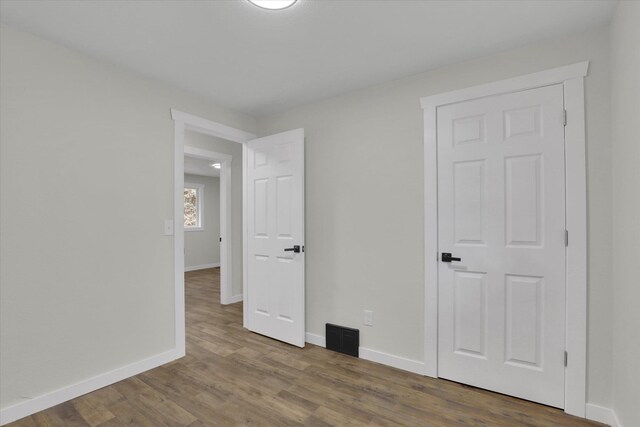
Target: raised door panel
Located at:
point(469, 207)
point(260, 205)
point(261, 300)
point(284, 213)
point(523, 321)
point(523, 200)
point(468, 130)
point(470, 311)
point(521, 122)
point(259, 159)
point(286, 289)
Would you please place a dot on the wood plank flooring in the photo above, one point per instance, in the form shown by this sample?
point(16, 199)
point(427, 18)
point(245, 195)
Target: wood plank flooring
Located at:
point(233, 377)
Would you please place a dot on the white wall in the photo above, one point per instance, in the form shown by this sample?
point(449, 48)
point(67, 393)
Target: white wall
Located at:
point(625, 76)
point(364, 198)
point(87, 282)
point(86, 275)
point(207, 142)
point(202, 247)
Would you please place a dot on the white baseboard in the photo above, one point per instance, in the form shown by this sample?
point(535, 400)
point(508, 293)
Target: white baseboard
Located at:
point(315, 339)
point(391, 360)
point(593, 412)
point(602, 415)
point(47, 400)
point(375, 356)
point(202, 267)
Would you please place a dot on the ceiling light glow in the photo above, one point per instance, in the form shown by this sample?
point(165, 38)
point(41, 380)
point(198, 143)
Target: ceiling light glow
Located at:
point(215, 165)
point(273, 4)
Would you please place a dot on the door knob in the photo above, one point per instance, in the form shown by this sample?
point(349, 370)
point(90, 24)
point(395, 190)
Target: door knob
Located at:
point(446, 257)
point(295, 249)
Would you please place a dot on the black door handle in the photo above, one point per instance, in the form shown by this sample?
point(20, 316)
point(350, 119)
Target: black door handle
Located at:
point(295, 249)
point(446, 257)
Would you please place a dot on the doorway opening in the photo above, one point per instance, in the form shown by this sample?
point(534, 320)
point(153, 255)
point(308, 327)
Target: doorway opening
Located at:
point(208, 217)
point(202, 140)
point(267, 271)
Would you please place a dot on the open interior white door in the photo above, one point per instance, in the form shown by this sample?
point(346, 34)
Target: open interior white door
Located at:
point(275, 240)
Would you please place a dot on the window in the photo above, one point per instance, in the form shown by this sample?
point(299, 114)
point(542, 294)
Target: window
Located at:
point(193, 206)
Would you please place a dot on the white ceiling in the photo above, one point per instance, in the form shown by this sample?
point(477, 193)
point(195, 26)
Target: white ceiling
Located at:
point(196, 166)
point(261, 62)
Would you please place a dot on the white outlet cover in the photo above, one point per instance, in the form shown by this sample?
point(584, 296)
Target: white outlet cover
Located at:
point(368, 318)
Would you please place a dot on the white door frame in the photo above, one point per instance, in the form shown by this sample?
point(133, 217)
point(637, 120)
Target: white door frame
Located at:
point(572, 78)
point(226, 241)
point(183, 121)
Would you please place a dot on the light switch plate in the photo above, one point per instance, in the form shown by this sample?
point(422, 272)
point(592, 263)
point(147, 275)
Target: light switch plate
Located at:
point(168, 227)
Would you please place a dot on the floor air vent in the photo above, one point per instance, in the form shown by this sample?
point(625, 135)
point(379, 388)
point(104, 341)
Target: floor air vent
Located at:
point(343, 340)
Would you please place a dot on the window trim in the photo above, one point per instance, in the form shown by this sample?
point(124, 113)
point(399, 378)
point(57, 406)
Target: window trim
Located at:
point(199, 205)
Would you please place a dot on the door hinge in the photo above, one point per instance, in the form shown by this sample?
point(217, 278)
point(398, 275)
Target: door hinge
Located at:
point(566, 237)
point(566, 358)
point(564, 117)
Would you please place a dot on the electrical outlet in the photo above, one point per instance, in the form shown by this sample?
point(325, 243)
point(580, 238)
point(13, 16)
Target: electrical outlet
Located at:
point(368, 318)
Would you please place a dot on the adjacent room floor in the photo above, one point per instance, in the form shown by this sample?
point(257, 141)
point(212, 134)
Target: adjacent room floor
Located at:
point(233, 377)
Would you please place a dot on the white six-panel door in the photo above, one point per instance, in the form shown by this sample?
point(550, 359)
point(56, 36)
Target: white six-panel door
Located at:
point(275, 222)
point(501, 209)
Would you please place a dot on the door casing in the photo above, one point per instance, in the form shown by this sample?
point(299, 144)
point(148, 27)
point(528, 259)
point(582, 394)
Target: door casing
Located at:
point(183, 121)
point(572, 79)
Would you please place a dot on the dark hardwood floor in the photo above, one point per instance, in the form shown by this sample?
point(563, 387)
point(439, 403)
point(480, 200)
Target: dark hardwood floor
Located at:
point(233, 377)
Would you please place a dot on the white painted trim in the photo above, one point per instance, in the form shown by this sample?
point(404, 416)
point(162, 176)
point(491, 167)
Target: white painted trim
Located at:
point(226, 218)
point(571, 76)
point(226, 232)
point(64, 394)
point(602, 415)
point(198, 124)
point(202, 267)
point(398, 362)
point(178, 236)
point(245, 236)
point(315, 339)
point(206, 154)
point(387, 359)
point(576, 254)
point(182, 122)
point(515, 84)
point(234, 299)
point(430, 244)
